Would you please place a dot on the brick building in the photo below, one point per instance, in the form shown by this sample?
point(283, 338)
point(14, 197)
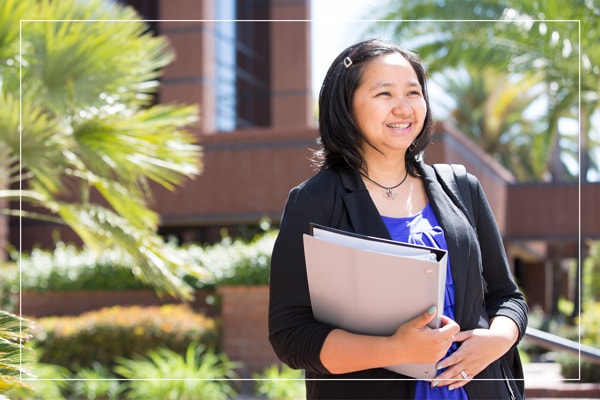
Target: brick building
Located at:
point(247, 64)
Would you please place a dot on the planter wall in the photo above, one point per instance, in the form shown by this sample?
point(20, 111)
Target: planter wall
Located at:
point(244, 313)
point(43, 304)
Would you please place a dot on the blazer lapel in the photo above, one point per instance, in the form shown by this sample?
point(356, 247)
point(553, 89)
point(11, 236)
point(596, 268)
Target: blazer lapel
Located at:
point(362, 213)
point(452, 222)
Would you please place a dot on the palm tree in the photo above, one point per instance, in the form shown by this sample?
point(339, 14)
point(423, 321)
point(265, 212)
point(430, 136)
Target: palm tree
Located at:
point(487, 106)
point(81, 139)
point(553, 38)
point(14, 357)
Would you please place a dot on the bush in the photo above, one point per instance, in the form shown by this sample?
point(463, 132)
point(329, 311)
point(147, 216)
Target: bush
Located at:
point(164, 374)
point(103, 335)
point(572, 368)
point(161, 374)
point(589, 326)
point(97, 382)
point(233, 261)
point(51, 383)
point(68, 268)
point(281, 383)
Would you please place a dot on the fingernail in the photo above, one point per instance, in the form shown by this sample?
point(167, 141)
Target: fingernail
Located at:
point(431, 310)
point(450, 388)
point(439, 366)
point(435, 383)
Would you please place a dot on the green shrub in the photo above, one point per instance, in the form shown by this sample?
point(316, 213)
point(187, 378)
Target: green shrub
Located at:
point(77, 342)
point(280, 383)
point(572, 368)
point(589, 328)
point(233, 261)
point(50, 383)
point(97, 382)
point(164, 374)
point(69, 268)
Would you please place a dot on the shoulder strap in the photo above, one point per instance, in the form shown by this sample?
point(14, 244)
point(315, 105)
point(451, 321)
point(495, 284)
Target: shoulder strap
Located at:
point(454, 178)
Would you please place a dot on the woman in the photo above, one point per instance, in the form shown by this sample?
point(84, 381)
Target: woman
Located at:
point(375, 121)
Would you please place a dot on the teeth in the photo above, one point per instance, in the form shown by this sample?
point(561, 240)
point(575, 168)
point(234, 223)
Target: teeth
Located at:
point(398, 126)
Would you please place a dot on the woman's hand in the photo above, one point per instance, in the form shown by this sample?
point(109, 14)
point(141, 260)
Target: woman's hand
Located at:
point(413, 342)
point(479, 348)
point(419, 343)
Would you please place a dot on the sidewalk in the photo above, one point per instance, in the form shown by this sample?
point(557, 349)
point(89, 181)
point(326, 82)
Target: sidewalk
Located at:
point(544, 381)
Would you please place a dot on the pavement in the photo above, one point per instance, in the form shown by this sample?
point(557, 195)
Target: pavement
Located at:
point(544, 381)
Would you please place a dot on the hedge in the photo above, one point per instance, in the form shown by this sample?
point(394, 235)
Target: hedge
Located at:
point(69, 268)
point(102, 335)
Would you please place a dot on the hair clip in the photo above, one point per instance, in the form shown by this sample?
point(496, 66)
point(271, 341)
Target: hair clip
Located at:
point(347, 62)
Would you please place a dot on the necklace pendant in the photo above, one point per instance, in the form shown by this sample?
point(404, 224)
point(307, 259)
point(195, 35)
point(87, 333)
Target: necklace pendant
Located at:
point(389, 193)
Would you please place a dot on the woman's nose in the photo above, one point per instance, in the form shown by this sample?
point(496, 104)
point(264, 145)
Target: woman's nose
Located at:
point(401, 107)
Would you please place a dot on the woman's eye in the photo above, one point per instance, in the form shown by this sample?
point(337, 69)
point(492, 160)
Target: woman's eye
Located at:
point(384, 94)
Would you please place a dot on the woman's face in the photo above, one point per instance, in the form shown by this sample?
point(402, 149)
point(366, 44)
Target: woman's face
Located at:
point(388, 106)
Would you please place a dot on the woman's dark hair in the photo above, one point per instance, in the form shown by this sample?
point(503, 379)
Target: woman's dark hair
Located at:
point(340, 137)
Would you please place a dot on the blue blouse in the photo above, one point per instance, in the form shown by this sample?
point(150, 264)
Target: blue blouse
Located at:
point(424, 229)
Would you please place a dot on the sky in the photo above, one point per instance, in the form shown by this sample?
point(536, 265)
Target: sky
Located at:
point(336, 24)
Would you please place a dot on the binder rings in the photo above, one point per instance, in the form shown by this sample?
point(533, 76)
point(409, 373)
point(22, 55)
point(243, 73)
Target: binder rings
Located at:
point(371, 286)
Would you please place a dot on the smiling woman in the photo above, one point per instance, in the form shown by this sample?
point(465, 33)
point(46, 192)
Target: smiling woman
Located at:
point(374, 124)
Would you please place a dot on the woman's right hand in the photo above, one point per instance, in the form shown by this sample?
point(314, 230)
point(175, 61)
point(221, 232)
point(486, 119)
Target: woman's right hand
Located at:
point(413, 342)
point(419, 343)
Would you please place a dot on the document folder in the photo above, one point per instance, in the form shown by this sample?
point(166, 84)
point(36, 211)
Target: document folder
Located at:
point(371, 286)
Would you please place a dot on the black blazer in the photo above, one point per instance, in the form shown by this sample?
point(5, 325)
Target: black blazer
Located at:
point(484, 286)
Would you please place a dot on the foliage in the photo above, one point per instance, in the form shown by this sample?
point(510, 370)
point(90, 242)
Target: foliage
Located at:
point(100, 336)
point(68, 268)
point(51, 382)
point(571, 367)
point(487, 106)
point(80, 133)
point(591, 274)
point(15, 358)
point(164, 374)
point(588, 332)
point(96, 382)
point(280, 383)
point(234, 261)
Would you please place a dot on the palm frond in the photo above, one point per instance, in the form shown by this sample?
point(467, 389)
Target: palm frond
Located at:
point(75, 72)
point(15, 358)
point(149, 143)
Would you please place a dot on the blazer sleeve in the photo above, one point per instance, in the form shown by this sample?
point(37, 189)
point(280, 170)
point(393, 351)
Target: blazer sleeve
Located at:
point(296, 337)
point(502, 295)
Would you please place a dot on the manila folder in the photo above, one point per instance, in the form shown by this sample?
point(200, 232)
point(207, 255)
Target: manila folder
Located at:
point(362, 285)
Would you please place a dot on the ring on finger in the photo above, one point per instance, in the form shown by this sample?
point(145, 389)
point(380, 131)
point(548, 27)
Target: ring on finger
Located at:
point(464, 374)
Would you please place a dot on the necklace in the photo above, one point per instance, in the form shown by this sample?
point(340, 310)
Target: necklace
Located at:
point(388, 192)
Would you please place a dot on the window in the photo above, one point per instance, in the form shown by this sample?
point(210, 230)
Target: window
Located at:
point(243, 64)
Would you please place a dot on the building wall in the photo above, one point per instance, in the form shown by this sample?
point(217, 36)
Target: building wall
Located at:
point(247, 176)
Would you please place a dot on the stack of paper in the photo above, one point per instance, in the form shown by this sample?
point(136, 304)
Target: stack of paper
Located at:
point(371, 286)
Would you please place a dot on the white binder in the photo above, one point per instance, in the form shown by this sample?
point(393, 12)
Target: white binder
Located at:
point(371, 286)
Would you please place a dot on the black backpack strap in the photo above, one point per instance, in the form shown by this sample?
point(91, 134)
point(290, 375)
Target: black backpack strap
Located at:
point(455, 182)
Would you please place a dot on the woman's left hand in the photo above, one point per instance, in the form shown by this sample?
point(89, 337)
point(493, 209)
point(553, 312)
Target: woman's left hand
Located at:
point(479, 348)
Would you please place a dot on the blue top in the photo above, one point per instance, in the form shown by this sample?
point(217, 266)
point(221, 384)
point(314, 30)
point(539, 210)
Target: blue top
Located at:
point(424, 229)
